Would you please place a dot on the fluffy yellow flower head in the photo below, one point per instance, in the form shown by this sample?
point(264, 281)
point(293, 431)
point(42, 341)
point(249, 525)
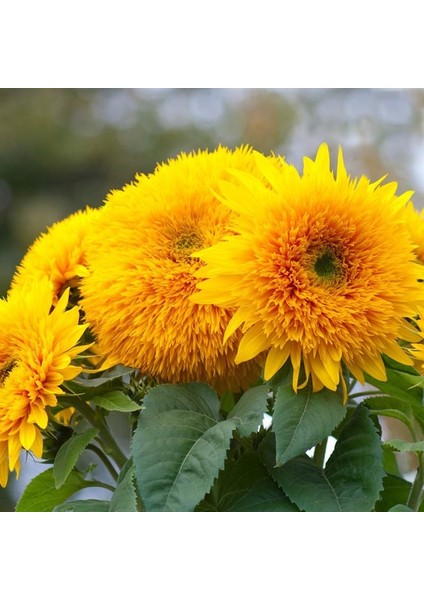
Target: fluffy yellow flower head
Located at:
point(322, 271)
point(37, 345)
point(58, 254)
point(142, 275)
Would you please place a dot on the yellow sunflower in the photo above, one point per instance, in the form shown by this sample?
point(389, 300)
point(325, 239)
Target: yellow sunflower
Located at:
point(322, 271)
point(58, 254)
point(142, 275)
point(415, 224)
point(37, 345)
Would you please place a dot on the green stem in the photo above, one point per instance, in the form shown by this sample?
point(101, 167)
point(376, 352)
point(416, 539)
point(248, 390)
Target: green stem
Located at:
point(415, 495)
point(104, 459)
point(319, 454)
point(108, 444)
point(95, 483)
point(365, 394)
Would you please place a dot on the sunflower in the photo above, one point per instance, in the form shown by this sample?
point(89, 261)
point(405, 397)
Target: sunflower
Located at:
point(142, 274)
point(322, 271)
point(415, 224)
point(37, 345)
point(58, 254)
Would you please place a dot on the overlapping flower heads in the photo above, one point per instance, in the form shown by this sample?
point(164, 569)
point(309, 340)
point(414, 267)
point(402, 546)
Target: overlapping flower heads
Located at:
point(37, 346)
point(213, 267)
point(321, 271)
point(142, 273)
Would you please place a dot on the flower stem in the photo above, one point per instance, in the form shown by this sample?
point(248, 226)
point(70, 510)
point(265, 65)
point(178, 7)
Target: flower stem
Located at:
point(104, 460)
point(415, 495)
point(319, 454)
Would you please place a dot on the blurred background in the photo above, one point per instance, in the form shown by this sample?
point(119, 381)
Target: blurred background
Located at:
point(64, 149)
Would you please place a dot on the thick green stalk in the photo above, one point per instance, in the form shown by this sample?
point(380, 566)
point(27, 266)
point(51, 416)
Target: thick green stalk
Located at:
point(319, 454)
point(415, 495)
point(104, 460)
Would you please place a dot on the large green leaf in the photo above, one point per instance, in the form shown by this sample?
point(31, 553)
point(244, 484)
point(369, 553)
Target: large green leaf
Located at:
point(250, 409)
point(245, 486)
point(352, 479)
point(303, 419)
point(41, 494)
point(180, 446)
point(401, 508)
point(69, 453)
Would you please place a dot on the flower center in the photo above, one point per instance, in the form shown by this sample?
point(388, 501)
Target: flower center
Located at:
point(326, 264)
point(186, 243)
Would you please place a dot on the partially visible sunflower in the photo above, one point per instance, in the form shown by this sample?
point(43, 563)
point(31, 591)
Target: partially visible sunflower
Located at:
point(37, 346)
point(322, 272)
point(142, 274)
point(415, 224)
point(58, 254)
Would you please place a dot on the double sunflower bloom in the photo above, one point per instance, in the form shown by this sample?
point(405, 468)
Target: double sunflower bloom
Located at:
point(217, 267)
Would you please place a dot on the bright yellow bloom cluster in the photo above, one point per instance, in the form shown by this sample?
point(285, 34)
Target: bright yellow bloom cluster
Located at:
point(321, 271)
point(37, 345)
point(211, 268)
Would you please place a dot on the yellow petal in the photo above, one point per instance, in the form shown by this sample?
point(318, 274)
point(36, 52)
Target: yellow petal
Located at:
point(252, 343)
point(234, 323)
point(327, 372)
point(27, 434)
point(275, 360)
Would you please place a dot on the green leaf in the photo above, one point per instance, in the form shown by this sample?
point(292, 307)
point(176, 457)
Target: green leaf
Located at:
point(116, 401)
point(124, 498)
point(400, 508)
point(352, 479)
point(93, 386)
point(245, 486)
point(404, 406)
point(41, 494)
point(83, 506)
point(69, 453)
point(401, 385)
point(303, 419)
point(395, 491)
point(390, 406)
point(180, 446)
point(250, 410)
point(402, 446)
